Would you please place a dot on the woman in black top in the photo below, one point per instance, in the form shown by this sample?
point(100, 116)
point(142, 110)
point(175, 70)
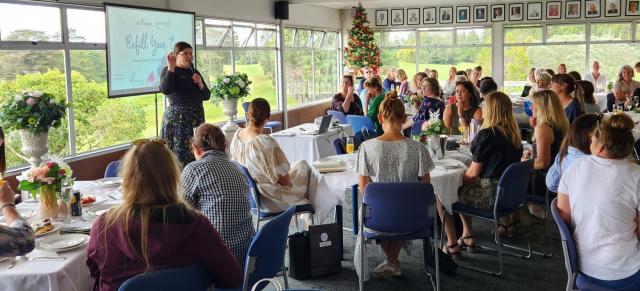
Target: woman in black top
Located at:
point(347, 101)
point(185, 91)
point(494, 148)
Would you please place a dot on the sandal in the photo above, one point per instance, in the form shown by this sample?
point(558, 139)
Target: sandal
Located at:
point(448, 250)
point(471, 247)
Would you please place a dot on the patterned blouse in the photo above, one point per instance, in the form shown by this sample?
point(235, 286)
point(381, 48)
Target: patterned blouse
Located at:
point(393, 161)
point(16, 239)
point(429, 104)
point(216, 187)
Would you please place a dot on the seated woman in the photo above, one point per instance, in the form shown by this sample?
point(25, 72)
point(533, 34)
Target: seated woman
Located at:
point(389, 82)
point(564, 85)
point(494, 148)
point(346, 101)
point(623, 87)
point(280, 184)
point(417, 81)
point(404, 89)
point(575, 145)
point(467, 108)
point(584, 95)
point(531, 83)
point(153, 228)
point(372, 101)
point(599, 197)
point(215, 186)
point(487, 85)
point(431, 101)
point(449, 87)
point(543, 81)
point(411, 162)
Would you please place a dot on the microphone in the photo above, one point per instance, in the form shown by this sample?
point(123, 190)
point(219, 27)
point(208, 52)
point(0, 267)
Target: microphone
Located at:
point(192, 69)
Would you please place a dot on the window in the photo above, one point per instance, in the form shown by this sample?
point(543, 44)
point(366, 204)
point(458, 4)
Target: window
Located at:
point(609, 41)
point(399, 38)
point(523, 34)
point(610, 31)
point(86, 26)
point(436, 37)
point(17, 23)
point(473, 36)
point(565, 33)
point(260, 66)
point(199, 31)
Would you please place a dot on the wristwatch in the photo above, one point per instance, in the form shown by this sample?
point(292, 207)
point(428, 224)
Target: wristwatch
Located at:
point(7, 205)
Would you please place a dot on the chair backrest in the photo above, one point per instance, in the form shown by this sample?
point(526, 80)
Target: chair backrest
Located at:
point(339, 146)
point(569, 247)
point(512, 187)
point(254, 193)
point(338, 115)
point(265, 257)
point(193, 278)
point(417, 127)
point(112, 169)
point(245, 106)
point(364, 135)
point(398, 207)
point(358, 122)
point(636, 149)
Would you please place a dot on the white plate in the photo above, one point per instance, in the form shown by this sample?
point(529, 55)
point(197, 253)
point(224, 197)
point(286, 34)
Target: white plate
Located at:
point(56, 227)
point(111, 181)
point(99, 209)
point(62, 242)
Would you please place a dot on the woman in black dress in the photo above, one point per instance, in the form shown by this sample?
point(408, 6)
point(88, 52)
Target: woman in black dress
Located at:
point(185, 90)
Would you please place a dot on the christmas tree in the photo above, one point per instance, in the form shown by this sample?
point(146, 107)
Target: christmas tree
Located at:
point(361, 50)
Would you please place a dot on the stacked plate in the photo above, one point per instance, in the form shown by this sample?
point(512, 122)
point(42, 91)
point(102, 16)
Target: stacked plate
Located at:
point(447, 164)
point(63, 242)
point(98, 209)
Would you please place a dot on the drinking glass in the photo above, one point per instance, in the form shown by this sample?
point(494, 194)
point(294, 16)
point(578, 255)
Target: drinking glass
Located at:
point(350, 145)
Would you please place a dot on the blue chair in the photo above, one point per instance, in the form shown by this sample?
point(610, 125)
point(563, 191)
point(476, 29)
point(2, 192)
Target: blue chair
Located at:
point(364, 135)
point(358, 122)
point(254, 200)
point(339, 146)
point(417, 127)
point(271, 125)
point(112, 169)
point(399, 207)
point(510, 194)
point(192, 278)
point(265, 257)
point(338, 115)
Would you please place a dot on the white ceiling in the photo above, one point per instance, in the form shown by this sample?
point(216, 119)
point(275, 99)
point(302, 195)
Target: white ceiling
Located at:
point(347, 4)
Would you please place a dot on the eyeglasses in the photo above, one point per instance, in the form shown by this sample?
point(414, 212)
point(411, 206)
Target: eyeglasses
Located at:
point(185, 53)
point(141, 141)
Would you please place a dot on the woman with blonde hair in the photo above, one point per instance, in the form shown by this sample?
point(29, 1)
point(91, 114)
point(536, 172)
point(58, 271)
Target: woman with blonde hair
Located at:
point(389, 83)
point(433, 74)
point(625, 85)
point(153, 228)
point(496, 146)
point(543, 81)
point(404, 83)
point(449, 87)
point(411, 163)
point(280, 184)
point(417, 81)
point(550, 128)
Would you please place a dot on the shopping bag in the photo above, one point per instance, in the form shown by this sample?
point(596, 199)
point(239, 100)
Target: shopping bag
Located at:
point(316, 252)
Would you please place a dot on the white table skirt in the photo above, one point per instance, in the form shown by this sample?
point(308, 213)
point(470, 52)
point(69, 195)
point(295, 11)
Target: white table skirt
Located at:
point(299, 146)
point(601, 100)
point(68, 275)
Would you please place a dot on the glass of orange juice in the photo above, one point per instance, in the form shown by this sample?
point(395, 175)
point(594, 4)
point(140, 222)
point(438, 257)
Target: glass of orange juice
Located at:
point(350, 145)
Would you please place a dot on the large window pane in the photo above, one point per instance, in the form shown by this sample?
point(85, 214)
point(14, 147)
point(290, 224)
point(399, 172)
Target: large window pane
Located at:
point(609, 57)
point(518, 60)
point(331, 40)
point(611, 31)
point(404, 58)
point(212, 64)
point(199, 32)
point(565, 33)
point(474, 36)
point(326, 77)
point(399, 38)
point(29, 23)
point(260, 66)
point(297, 66)
point(318, 38)
point(289, 37)
point(244, 36)
point(86, 26)
point(523, 34)
point(304, 38)
point(436, 37)
point(377, 38)
point(34, 70)
point(266, 38)
point(218, 36)
point(462, 58)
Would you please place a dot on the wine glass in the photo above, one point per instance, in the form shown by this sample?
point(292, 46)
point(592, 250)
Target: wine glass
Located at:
point(350, 145)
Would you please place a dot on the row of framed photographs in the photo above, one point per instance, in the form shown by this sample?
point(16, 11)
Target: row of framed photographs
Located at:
point(498, 12)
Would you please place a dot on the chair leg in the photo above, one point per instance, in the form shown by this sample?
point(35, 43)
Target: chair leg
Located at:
point(362, 254)
point(436, 245)
point(354, 208)
point(284, 275)
point(498, 249)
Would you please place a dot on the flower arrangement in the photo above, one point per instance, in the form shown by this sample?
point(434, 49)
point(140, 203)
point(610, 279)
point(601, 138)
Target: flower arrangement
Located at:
point(48, 177)
point(33, 111)
point(416, 100)
point(234, 86)
point(434, 126)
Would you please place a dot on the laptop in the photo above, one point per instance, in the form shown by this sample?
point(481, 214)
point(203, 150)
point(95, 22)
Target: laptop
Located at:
point(324, 126)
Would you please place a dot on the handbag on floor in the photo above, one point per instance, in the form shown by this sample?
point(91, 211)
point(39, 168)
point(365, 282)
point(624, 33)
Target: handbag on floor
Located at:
point(316, 252)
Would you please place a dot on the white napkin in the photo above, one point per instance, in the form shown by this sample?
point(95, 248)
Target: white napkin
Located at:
point(328, 164)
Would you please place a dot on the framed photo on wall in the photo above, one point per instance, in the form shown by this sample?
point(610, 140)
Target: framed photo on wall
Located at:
point(516, 11)
point(397, 16)
point(611, 8)
point(462, 14)
point(429, 15)
point(382, 17)
point(633, 8)
point(572, 9)
point(480, 13)
point(413, 16)
point(534, 11)
point(554, 10)
point(591, 8)
point(446, 14)
point(497, 12)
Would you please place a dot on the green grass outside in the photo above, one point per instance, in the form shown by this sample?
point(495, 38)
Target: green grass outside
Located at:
point(443, 70)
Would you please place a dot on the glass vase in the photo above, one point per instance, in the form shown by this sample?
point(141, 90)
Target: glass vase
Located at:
point(48, 202)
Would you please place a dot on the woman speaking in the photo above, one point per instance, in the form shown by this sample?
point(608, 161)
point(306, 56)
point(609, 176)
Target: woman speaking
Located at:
point(185, 91)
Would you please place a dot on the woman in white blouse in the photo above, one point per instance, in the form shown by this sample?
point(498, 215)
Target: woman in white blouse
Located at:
point(600, 197)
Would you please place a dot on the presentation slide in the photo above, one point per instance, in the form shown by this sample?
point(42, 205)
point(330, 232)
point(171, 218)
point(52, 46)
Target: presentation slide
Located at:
point(138, 40)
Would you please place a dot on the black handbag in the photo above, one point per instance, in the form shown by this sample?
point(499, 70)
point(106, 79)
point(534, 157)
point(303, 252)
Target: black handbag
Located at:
point(316, 252)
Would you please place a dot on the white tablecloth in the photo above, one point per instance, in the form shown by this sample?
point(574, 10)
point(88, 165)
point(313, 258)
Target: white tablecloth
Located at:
point(601, 100)
point(67, 275)
point(326, 190)
point(300, 146)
